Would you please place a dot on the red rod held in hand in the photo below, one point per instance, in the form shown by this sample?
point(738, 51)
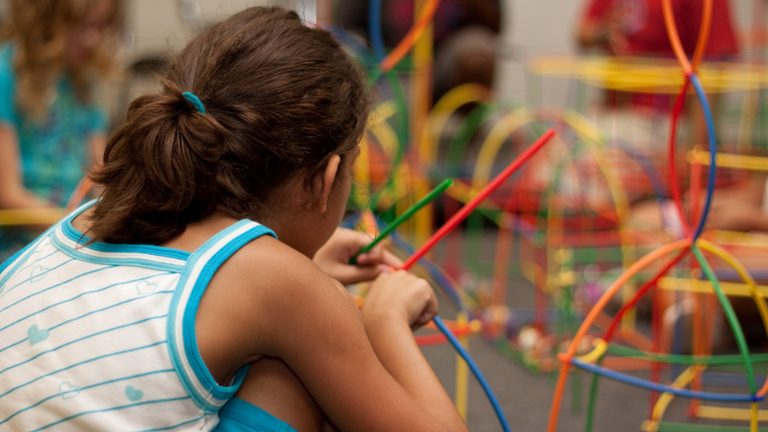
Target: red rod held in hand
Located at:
point(474, 202)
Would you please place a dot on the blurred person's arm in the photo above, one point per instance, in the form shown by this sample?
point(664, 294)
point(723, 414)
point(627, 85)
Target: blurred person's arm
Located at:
point(740, 208)
point(13, 194)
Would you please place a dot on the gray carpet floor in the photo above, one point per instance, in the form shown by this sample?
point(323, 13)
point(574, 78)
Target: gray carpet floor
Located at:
point(526, 397)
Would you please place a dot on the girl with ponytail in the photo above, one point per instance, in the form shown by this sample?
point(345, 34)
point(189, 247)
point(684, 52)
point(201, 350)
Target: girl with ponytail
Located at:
point(204, 289)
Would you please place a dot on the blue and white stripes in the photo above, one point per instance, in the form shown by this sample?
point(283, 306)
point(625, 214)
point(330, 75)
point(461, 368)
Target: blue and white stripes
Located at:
point(181, 323)
point(102, 337)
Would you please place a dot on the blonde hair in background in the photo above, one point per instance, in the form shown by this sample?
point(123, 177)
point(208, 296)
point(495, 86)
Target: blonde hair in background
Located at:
point(42, 30)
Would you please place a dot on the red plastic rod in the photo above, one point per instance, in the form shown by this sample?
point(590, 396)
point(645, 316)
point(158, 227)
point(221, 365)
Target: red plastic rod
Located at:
point(474, 202)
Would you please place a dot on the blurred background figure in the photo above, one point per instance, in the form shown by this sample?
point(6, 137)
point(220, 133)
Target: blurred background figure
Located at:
point(465, 36)
point(740, 207)
point(53, 57)
point(637, 28)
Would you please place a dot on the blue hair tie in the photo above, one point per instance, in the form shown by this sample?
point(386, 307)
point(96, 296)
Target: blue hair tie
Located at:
point(195, 101)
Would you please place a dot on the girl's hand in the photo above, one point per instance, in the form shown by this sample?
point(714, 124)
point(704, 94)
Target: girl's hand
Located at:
point(333, 257)
point(400, 295)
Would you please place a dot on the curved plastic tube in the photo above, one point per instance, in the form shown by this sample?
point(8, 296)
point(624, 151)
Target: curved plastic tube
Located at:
point(596, 354)
point(475, 370)
point(490, 147)
point(730, 315)
point(387, 62)
point(681, 381)
point(712, 152)
point(650, 284)
point(595, 312)
point(676, 111)
point(374, 28)
point(737, 331)
point(442, 112)
point(682, 359)
point(701, 44)
point(377, 40)
point(758, 298)
point(662, 388)
point(674, 37)
point(410, 38)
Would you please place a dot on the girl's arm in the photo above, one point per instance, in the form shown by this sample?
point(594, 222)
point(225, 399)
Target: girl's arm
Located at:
point(389, 329)
point(364, 371)
point(13, 194)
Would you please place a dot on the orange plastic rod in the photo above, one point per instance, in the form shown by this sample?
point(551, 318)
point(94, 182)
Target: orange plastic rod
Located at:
point(595, 312)
point(674, 37)
point(406, 44)
point(474, 202)
point(701, 44)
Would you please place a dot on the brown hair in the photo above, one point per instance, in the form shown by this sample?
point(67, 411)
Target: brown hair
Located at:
point(281, 99)
point(40, 30)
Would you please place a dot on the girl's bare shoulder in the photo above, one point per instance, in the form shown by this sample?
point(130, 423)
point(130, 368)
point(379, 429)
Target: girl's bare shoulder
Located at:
point(269, 263)
point(244, 311)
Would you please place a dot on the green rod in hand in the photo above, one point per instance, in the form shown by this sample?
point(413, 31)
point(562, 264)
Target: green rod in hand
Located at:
point(405, 216)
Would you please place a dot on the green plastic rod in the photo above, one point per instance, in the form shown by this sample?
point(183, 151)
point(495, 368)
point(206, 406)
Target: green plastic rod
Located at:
point(405, 216)
point(730, 315)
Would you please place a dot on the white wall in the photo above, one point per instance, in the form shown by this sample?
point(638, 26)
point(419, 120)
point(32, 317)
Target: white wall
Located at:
point(158, 28)
point(531, 28)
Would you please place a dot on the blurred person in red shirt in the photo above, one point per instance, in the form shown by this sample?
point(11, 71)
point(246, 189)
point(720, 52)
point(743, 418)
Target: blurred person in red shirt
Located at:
point(637, 28)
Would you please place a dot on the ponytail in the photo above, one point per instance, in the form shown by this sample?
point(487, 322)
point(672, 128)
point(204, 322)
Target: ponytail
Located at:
point(156, 170)
point(276, 100)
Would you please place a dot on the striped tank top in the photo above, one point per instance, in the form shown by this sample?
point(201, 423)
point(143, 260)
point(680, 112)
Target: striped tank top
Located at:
point(102, 337)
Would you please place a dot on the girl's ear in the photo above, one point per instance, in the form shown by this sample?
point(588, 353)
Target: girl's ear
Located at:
point(329, 176)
